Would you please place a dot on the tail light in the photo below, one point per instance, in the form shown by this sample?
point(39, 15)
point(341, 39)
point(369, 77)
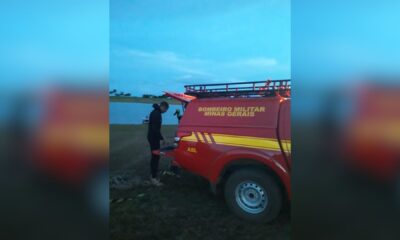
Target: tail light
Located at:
point(179, 136)
point(176, 141)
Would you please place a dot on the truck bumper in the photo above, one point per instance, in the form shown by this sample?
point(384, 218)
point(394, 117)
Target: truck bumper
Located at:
point(168, 151)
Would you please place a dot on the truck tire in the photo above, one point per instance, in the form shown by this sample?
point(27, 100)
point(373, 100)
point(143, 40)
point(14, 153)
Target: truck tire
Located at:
point(253, 195)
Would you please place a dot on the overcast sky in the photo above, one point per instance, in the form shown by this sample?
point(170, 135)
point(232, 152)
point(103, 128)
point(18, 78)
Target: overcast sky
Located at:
point(53, 41)
point(158, 45)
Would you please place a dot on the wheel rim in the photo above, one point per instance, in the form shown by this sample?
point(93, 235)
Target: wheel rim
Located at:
point(251, 197)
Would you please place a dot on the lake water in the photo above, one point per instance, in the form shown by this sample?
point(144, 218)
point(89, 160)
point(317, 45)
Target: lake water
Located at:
point(134, 113)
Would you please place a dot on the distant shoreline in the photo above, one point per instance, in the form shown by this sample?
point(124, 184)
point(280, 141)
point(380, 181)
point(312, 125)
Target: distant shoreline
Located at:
point(142, 100)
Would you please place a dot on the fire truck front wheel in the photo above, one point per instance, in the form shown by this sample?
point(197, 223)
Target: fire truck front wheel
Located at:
point(253, 195)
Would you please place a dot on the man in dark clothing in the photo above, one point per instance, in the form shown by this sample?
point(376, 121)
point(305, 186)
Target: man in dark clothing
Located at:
point(154, 137)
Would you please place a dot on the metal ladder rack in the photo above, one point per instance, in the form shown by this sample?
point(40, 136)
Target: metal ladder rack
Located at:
point(265, 88)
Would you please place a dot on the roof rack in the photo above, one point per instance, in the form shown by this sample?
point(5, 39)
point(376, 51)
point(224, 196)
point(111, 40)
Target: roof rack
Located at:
point(265, 88)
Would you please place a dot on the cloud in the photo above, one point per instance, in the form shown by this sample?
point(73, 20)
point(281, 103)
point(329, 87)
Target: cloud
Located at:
point(176, 70)
point(173, 61)
point(200, 67)
point(259, 62)
point(185, 77)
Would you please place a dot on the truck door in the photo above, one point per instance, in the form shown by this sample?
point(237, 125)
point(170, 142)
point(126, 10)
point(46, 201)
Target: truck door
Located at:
point(284, 132)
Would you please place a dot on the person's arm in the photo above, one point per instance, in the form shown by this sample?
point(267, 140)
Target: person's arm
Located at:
point(159, 133)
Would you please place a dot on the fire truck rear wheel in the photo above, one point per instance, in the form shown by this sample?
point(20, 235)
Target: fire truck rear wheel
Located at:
point(253, 195)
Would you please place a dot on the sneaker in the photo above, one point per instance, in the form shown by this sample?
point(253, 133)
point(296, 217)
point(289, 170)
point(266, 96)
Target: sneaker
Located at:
point(168, 173)
point(171, 173)
point(156, 182)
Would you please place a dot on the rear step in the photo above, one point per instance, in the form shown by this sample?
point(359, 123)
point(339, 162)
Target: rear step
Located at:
point(167, 151)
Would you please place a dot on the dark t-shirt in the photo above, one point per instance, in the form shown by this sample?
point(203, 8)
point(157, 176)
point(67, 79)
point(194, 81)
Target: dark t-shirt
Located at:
point(154, 128)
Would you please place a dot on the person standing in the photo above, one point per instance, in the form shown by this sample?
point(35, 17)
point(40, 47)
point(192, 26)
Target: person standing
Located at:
point(178, 115)
point(154, 137)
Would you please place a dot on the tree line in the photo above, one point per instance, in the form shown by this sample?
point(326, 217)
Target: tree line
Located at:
point(115, 93)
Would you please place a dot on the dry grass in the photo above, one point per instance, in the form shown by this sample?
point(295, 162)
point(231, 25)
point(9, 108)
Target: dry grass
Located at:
point(183, 208)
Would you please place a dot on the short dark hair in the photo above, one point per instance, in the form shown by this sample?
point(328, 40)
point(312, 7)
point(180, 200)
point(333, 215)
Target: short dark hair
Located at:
point(165, 104)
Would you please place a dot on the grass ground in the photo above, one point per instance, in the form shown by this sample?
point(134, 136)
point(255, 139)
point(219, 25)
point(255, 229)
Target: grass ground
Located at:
point(183, 208)
point(142, 100)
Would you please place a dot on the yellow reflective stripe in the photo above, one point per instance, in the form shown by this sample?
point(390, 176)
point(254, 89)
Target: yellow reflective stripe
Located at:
point(247, 137)
point(191, 138)
point(208, 138)
point(240, 141)
point(244, 141)
point(286, 148)
point(200, 136)
point(287, 145)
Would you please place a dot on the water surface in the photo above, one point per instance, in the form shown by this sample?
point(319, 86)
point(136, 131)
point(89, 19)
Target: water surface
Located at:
point(134, 113)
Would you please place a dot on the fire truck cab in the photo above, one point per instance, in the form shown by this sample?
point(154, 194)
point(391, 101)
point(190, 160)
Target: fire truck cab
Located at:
point(237, 136)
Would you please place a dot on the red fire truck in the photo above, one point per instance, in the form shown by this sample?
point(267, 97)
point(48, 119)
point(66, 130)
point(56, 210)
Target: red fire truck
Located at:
point(237, 136)
point(69, 144)
point(371, 140)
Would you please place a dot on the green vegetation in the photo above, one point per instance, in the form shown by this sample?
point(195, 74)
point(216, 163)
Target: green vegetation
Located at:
point(183, 208)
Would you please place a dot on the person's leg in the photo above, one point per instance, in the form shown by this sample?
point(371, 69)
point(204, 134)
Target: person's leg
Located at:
point(154, 165)
point(155, 157)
